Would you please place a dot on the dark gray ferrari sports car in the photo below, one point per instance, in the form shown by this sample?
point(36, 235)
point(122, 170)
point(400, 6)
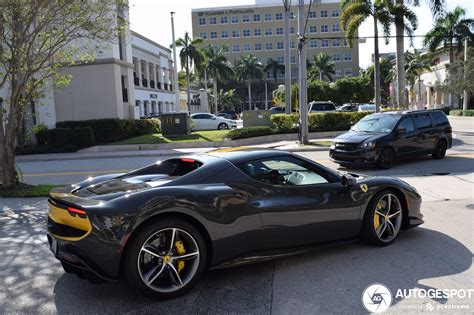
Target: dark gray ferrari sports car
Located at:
point(162, 226)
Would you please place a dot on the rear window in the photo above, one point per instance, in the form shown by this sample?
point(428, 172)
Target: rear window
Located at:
point(322, 107)
point(439, 118)
point(422, 121)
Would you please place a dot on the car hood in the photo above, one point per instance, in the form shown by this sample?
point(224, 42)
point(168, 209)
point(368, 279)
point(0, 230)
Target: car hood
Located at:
point(358, 137)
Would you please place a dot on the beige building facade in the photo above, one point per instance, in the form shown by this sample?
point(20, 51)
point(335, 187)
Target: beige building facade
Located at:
point(259, 29)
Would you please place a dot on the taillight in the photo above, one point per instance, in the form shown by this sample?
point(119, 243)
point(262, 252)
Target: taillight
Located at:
point(448, 129)
point(77, 211)
point(188, 160)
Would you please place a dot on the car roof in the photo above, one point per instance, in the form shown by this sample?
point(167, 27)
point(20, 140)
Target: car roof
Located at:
point(243, 154)
point(408, 112)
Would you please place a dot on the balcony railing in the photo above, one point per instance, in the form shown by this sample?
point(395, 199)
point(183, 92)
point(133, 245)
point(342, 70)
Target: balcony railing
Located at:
point(145, 82)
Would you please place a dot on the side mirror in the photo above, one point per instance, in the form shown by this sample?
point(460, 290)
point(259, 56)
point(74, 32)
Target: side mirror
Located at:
point(214, 118)
point(347, 180)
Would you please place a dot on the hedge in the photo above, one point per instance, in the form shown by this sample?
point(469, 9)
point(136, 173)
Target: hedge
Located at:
point(114, 129)
point(458, 112)
point(66, 137)
point(317, 121)
point(249, 132)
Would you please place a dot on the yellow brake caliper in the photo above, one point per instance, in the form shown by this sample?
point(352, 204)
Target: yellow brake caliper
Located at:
point(377, 216)
point(181, 251)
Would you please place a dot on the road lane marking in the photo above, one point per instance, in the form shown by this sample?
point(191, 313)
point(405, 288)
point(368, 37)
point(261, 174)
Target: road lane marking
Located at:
point(76, 173)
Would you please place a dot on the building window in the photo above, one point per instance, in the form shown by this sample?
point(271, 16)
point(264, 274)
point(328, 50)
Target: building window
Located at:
point(313, 29)
point(293, 59)
point(335, 13)
point(268, 17)
point(234, 19)
point(258, 47)
point(292, 45)
point(312, 14)
point(224, 19)
point(202, 21)
point(279, 16)
point(281, 59)
point(324, 29)
point(324, 13)
point(235, 48)
point(246, 33)
point(257, 32)
point(279, 31)
point(335, 43)
point(336, 28)
point(224, 34)
point(213, 35)
point(347, 56)
point(235, 34)
point(269, 75)
point(336, 57)
point(269, 46)
point(292, 16)
point(246, 47)
point(325, 43)
point(268, 32)
point(337, 72)
point(280, 46)
point(348, 71)
point(246, 18)
point(225, 48)
point(292, 30)
point(313, 43)
point(213, 20)
point(203, 35)
point(256, 17)
point(344, 42)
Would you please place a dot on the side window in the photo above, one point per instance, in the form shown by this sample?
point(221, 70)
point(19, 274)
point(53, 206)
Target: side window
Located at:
point(439, 118)
point(197, 117)
point(283, 171)
point(422, 121)
point(407, 124)
point(206, 116)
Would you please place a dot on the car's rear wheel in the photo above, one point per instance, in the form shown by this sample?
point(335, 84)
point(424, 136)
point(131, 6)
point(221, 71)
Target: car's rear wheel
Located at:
point(166, 258)
point(440, 150)
point(223, 126)
point(383, 219)
point(386, 159)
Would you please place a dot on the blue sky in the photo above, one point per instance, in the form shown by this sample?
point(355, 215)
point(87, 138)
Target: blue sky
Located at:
point(151, 18)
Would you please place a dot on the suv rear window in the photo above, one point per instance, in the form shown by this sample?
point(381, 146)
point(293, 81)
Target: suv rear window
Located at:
point(422, 121)
point(321, 107)
point(439, 118)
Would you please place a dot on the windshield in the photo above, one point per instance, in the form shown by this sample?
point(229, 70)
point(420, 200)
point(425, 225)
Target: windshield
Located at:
point(376, 123)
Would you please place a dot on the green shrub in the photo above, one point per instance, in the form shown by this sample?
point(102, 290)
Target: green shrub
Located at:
point(458, 112)
point(65, 137)
point(285, 123)
point(43, 149)
point(249, 132)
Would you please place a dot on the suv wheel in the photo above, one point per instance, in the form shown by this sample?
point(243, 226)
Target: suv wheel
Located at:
point(440, 150)
point(386, 159)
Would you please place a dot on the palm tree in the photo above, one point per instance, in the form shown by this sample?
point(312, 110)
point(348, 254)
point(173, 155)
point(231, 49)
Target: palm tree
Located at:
point(354, 13)
point(218, 67)
point(248, 69)
point(321, 66)
point(274, 66)
point(416, 64)
point(387, 75)
point(449, 30)
point(189, 55)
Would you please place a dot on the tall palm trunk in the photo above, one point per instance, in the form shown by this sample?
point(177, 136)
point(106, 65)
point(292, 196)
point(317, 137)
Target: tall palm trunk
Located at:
point(320, 75)
point(451, 60)
point(400, 60)
point(188, 83)
point(376, 66)
point(214, 82)
point(419, 91)
point(249, 89)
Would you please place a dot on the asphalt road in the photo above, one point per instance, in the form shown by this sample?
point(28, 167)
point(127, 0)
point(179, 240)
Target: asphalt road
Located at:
point(436, 255)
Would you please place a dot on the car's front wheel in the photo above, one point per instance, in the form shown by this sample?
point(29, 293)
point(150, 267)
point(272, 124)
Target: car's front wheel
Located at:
point(386, 159)
point(383, 219)
point(166, 258)
point(223, 126)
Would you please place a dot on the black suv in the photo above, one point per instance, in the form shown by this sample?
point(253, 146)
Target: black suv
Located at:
point(380, 139)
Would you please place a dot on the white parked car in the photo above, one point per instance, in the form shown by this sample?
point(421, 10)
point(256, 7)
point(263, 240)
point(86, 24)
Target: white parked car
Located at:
point(366, 107)
point(206, 121)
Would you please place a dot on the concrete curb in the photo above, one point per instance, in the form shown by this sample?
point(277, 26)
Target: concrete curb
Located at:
point(215, 144)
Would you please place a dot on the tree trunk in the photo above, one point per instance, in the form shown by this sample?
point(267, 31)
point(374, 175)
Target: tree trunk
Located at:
point(188, 83)
point(419, 90)
point(250, 95)
point(451, 60)
point(400, 60)
point(214, 82)
point(320, 75)
point(376, 66)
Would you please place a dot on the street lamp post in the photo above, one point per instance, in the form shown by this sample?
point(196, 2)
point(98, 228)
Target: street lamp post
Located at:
point(175, 67)
point(303, 104)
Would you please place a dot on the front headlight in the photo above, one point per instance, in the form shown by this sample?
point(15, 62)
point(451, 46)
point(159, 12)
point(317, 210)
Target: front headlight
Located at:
point(333, 144)
point(367, 145)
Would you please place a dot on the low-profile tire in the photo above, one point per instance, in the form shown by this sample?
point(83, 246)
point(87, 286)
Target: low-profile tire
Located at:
point(381, 225)
point(386, 159)
point(440, 150)
point(152, 264)
point(223, 126)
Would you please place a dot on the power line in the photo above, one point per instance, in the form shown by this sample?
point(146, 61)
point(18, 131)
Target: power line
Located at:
point(379, 37)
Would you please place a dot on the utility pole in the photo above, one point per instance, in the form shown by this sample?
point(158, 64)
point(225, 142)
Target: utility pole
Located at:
point(303, 103)
point(465, 99)
point(205, 87)
point(177, 105)
point(287, 5)
point(266, 95)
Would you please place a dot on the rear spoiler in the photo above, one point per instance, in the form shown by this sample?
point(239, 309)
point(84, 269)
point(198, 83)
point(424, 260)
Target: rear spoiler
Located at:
point(65, 199)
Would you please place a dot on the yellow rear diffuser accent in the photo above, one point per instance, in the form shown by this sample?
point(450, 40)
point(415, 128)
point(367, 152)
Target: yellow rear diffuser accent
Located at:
point(62, 216)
